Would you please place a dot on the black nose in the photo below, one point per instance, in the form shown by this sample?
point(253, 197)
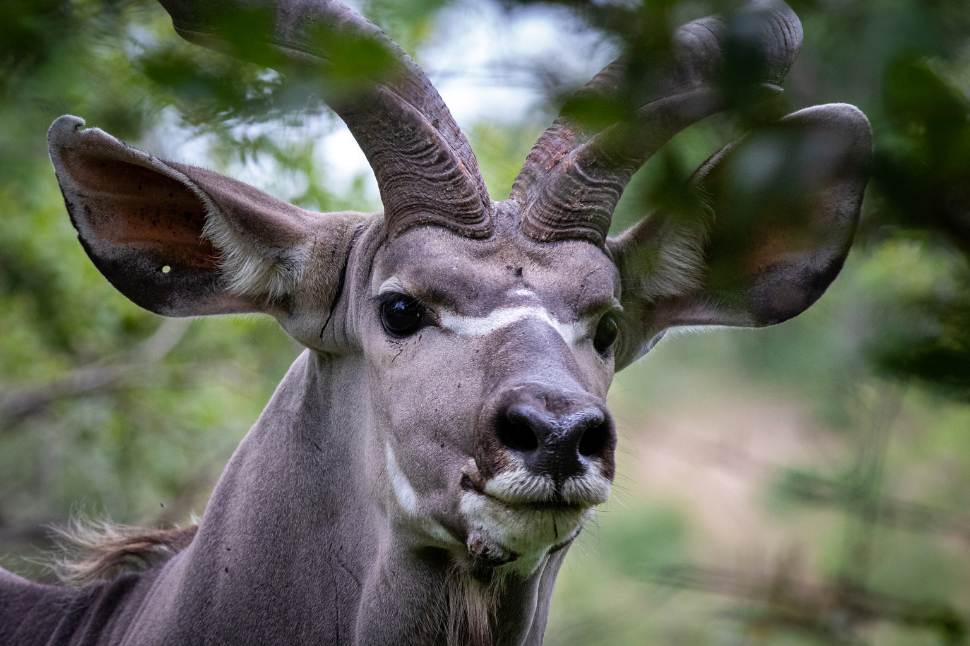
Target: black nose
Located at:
point(558, 445)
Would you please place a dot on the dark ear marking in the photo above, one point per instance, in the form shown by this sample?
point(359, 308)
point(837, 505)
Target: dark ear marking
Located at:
point(135, 216)
point(184, 241)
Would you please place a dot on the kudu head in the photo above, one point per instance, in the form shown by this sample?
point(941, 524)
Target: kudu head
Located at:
point(485, 335)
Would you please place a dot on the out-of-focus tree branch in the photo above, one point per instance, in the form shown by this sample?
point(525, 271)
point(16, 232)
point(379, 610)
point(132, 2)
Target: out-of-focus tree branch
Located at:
point(18, 402)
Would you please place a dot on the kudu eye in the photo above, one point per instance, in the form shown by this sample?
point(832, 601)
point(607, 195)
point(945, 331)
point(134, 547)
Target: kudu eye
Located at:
point(401, 315)
point(606, 333)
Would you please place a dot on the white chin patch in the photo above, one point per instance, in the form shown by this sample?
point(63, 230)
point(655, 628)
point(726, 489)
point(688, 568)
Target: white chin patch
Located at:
point(527, 532)
point(510, 518)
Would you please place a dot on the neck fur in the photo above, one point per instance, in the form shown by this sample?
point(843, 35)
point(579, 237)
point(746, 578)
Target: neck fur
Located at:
point(293, 520)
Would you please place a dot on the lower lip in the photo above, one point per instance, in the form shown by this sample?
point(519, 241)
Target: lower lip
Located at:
point(550, 507)
point(536, 505)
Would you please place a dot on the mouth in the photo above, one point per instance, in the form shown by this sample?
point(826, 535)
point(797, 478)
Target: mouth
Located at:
point(522, 523)
point(554, 503)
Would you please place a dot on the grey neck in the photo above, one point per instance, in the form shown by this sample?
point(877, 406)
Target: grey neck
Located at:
point(295, 547)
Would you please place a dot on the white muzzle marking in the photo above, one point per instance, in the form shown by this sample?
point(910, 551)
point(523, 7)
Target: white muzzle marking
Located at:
point(519, 486)
point(509, 510)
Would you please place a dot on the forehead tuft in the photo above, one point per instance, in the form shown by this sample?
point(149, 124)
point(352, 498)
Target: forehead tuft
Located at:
point(474, 277)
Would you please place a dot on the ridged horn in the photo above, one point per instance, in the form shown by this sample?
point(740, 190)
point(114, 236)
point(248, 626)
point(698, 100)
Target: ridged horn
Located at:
point(575, 174)
point(425, 169)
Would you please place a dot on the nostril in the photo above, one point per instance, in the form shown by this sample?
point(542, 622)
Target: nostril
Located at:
point(515, 432)
point(595, 440)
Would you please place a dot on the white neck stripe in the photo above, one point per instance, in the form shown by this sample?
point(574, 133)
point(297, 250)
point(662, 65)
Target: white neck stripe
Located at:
point(408, 501)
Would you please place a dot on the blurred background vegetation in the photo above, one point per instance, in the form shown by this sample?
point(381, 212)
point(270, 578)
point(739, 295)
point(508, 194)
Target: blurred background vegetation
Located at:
point(804, 484)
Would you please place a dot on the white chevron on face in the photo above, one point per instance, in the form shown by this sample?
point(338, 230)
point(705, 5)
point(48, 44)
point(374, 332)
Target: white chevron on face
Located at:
point(506, 316)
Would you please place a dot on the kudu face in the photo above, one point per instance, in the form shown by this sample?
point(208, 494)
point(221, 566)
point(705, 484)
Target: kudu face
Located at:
point(473, 342)
point(489, 366)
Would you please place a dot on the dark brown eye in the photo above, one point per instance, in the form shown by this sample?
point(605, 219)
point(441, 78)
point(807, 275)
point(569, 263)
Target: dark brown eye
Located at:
point(401, 315)
point(606, 333)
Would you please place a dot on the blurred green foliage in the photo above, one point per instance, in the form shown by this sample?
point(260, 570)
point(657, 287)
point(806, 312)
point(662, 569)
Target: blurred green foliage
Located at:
point(105, 408)
point(851, 528)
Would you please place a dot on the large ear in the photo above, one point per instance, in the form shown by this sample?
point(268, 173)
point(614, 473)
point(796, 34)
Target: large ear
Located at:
point(768, 229)
point(183, 241)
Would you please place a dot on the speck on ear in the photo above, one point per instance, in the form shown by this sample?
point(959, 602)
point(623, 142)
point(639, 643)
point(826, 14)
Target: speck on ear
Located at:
point(166, 269)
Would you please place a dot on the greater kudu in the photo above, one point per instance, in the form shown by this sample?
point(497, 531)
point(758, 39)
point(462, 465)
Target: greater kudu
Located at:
point(422, 469)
